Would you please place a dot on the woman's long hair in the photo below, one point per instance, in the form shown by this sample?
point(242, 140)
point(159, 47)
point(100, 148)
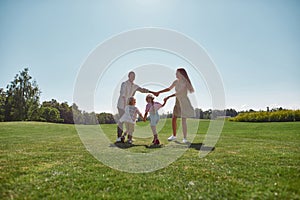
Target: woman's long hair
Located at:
point(186, 77)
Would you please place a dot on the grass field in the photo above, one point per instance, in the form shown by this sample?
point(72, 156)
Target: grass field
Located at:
point(250, 161)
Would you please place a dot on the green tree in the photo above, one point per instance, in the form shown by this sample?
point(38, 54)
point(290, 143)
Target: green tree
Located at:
point(231, 112)
point(89, 118)
point(50, 114)
point(64, 109)
point(53, 104)
point(199, 113)
point(66, 113)
point(22, 97)
point(2, 104)
point(105, 118)
point(77, 114)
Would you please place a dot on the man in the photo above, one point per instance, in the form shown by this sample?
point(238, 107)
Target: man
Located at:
point(128, 89)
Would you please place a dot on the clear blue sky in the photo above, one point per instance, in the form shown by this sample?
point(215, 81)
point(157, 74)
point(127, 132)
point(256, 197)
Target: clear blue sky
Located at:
point(254, 44)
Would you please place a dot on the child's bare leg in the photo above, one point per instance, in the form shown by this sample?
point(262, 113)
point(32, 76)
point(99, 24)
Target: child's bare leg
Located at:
point(153, 128)
point(124, 136)
point(125, 133)
point(155, 136)
point(129, 137)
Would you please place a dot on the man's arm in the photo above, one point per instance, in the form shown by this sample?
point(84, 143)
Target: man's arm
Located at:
point(144, 90)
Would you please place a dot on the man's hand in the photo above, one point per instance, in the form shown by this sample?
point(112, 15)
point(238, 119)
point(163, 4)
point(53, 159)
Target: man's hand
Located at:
point(156, 94)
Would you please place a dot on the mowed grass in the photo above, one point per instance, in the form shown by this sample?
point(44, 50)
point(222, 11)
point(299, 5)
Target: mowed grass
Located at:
point(250, 161)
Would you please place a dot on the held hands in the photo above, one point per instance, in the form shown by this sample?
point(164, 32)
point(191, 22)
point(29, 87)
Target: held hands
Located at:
point(156, 94)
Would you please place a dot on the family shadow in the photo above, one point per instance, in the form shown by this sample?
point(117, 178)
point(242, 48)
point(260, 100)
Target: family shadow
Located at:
point(201, 147)
point(196, 146)
point(125, 145)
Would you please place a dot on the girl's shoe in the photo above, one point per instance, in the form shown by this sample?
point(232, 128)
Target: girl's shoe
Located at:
point(129, 141)
point(156, 141)
point(172, 138)
point(185, 140)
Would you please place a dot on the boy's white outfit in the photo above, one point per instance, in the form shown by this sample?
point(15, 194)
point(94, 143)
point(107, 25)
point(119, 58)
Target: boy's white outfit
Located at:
point(130, 117)
point(127, 90)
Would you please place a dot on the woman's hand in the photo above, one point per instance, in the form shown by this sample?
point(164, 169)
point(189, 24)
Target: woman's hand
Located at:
point(156, 94)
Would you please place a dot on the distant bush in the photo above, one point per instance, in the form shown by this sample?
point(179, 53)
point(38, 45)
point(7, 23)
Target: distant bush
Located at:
point(49, 114)
point(263, 116)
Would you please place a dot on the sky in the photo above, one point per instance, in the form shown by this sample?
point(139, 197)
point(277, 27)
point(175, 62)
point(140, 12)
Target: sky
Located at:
point(255, 46)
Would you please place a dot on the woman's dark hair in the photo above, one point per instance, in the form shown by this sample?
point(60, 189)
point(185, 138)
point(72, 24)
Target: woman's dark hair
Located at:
point(186, 77)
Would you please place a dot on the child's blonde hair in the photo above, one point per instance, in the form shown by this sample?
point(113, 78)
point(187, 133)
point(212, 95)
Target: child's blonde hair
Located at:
point(131, 101)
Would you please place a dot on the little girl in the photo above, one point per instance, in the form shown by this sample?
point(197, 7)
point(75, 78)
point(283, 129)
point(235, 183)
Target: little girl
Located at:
point(130, 117)
point(153, 108)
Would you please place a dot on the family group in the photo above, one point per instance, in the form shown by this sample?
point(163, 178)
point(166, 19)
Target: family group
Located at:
point(128, 111)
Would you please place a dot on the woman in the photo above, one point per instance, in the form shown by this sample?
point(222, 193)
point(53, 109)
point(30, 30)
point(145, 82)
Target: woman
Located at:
point(183, 107)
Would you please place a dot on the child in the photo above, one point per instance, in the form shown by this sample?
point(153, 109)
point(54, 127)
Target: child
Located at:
point(153, 108)
point(129, 118)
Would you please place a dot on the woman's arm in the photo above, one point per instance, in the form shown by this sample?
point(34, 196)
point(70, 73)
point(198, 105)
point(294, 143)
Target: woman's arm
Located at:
point(164, 90)
point(168, 97)
point(165, 101)
point(168, 89)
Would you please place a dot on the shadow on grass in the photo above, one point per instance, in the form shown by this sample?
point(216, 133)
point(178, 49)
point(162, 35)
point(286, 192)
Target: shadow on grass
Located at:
point(126, 145)
point(201, 146)
point(196, 146)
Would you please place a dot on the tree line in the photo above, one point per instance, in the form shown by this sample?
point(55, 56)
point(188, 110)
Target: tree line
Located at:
point(21, 102)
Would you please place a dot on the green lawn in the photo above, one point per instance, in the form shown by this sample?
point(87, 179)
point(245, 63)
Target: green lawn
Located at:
point(250, 161)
